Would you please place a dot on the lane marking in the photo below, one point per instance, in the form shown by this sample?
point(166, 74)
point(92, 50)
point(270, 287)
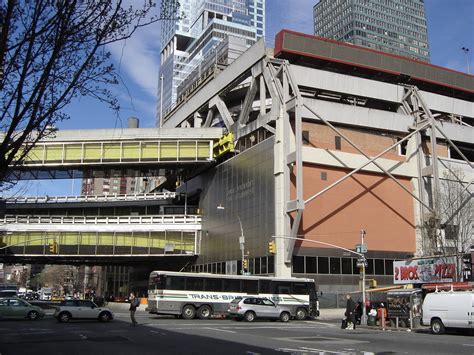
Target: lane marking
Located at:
point(467, 344)
point(220, 330)
point(322, 351)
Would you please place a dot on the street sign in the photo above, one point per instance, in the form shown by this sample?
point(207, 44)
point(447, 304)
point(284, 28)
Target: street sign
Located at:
point(361, 248)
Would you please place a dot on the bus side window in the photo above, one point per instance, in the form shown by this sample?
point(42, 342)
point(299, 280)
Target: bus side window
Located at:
point(194, 284)
point(264, 286)
point(213, 284)
point(281, 287)
point(300, 288)
point(231, 285)
point(175, 283)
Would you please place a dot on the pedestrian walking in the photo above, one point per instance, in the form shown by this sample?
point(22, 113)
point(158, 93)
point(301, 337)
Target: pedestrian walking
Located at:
point(350, 315)
point(134, 303)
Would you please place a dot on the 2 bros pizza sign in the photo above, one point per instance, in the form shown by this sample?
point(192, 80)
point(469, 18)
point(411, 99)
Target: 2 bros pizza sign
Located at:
point(424, 270)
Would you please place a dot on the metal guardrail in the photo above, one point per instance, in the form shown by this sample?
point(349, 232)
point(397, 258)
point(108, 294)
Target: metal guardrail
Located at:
point(91, 198)
point(153, 219)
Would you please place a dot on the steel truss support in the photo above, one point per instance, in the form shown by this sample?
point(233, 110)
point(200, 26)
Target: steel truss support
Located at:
point(428, 168)
point(270, 84)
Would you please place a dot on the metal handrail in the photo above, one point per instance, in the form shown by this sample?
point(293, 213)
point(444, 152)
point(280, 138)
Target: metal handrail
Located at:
point(151, 219)
point(92, 198)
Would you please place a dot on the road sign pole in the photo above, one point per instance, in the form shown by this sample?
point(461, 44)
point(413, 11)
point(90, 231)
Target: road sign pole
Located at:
point(364, 311)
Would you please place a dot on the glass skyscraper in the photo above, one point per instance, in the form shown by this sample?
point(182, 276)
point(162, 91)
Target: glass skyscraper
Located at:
point(191, 40)
point(392, 26)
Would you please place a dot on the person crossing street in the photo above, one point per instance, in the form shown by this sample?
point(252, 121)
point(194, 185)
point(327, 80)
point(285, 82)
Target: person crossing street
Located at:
point(134, 303)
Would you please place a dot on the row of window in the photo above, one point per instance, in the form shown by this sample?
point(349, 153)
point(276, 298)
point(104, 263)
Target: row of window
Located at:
point(303, 265)
point(338, 266)
point(256, 266)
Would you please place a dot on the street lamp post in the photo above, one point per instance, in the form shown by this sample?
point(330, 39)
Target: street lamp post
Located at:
point(241, 238)
point(360, 255)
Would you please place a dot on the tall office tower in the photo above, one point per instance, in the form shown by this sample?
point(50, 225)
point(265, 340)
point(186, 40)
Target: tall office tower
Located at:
point(211, 33)
point(393, 26)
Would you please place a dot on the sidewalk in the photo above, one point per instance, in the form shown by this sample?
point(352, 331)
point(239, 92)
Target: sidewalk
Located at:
point(331, 313)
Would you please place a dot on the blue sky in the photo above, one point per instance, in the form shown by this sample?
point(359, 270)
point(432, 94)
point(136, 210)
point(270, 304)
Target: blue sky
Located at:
point(450, 27)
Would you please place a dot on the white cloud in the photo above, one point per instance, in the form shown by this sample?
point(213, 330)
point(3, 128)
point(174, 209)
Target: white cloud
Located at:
point(138, 58)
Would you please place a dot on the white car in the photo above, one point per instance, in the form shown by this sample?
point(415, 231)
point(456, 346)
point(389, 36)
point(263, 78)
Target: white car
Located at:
point(82, 309)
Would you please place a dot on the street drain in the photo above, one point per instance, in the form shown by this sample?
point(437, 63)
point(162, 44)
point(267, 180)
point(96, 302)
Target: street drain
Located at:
point(107, 339)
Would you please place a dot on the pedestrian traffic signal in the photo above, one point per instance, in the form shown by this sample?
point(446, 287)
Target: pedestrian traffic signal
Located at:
point(245, 264)
point(53, 248)
point(271, 247)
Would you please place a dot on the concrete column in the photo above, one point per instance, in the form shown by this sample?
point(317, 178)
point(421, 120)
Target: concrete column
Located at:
point(282, 223)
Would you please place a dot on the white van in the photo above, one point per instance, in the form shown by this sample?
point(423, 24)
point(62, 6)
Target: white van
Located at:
point(453, 309)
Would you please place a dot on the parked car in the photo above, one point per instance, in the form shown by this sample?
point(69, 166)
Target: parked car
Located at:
point(454, 309)
point(8, 293)
point(82, 309)
point(13, 307)
point(250, 308)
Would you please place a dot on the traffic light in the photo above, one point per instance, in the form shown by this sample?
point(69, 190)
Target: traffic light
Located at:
point(467, 267)
point(53, 247)
point(271, 247)
point(245, 264)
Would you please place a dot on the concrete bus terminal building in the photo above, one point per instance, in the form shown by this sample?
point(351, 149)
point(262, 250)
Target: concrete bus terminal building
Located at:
point(323, 140)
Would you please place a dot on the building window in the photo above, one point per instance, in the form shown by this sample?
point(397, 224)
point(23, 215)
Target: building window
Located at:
point(347, 266)
point(323, 265)
point(369, 270)
point(324, 175)
point(335, 265)
point(337, 142)
point(402, 148)
point(311, 265)
point(388, 267)
point(271, 264)
point(305, 137)
point(263, 265)
point(257, 266)
point(379, 267)
point(298, 264)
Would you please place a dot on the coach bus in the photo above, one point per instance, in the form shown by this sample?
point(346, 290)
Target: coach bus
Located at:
point(190, 295)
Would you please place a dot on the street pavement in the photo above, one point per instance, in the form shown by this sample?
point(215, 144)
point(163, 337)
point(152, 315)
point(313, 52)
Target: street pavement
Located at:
point(168, 335)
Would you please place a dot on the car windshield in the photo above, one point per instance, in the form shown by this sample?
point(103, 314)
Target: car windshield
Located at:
point(236, 300)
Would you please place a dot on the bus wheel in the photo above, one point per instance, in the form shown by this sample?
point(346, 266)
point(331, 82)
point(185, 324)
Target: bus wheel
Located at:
point(301, 314)
point(204, 312)
point(189, 312)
